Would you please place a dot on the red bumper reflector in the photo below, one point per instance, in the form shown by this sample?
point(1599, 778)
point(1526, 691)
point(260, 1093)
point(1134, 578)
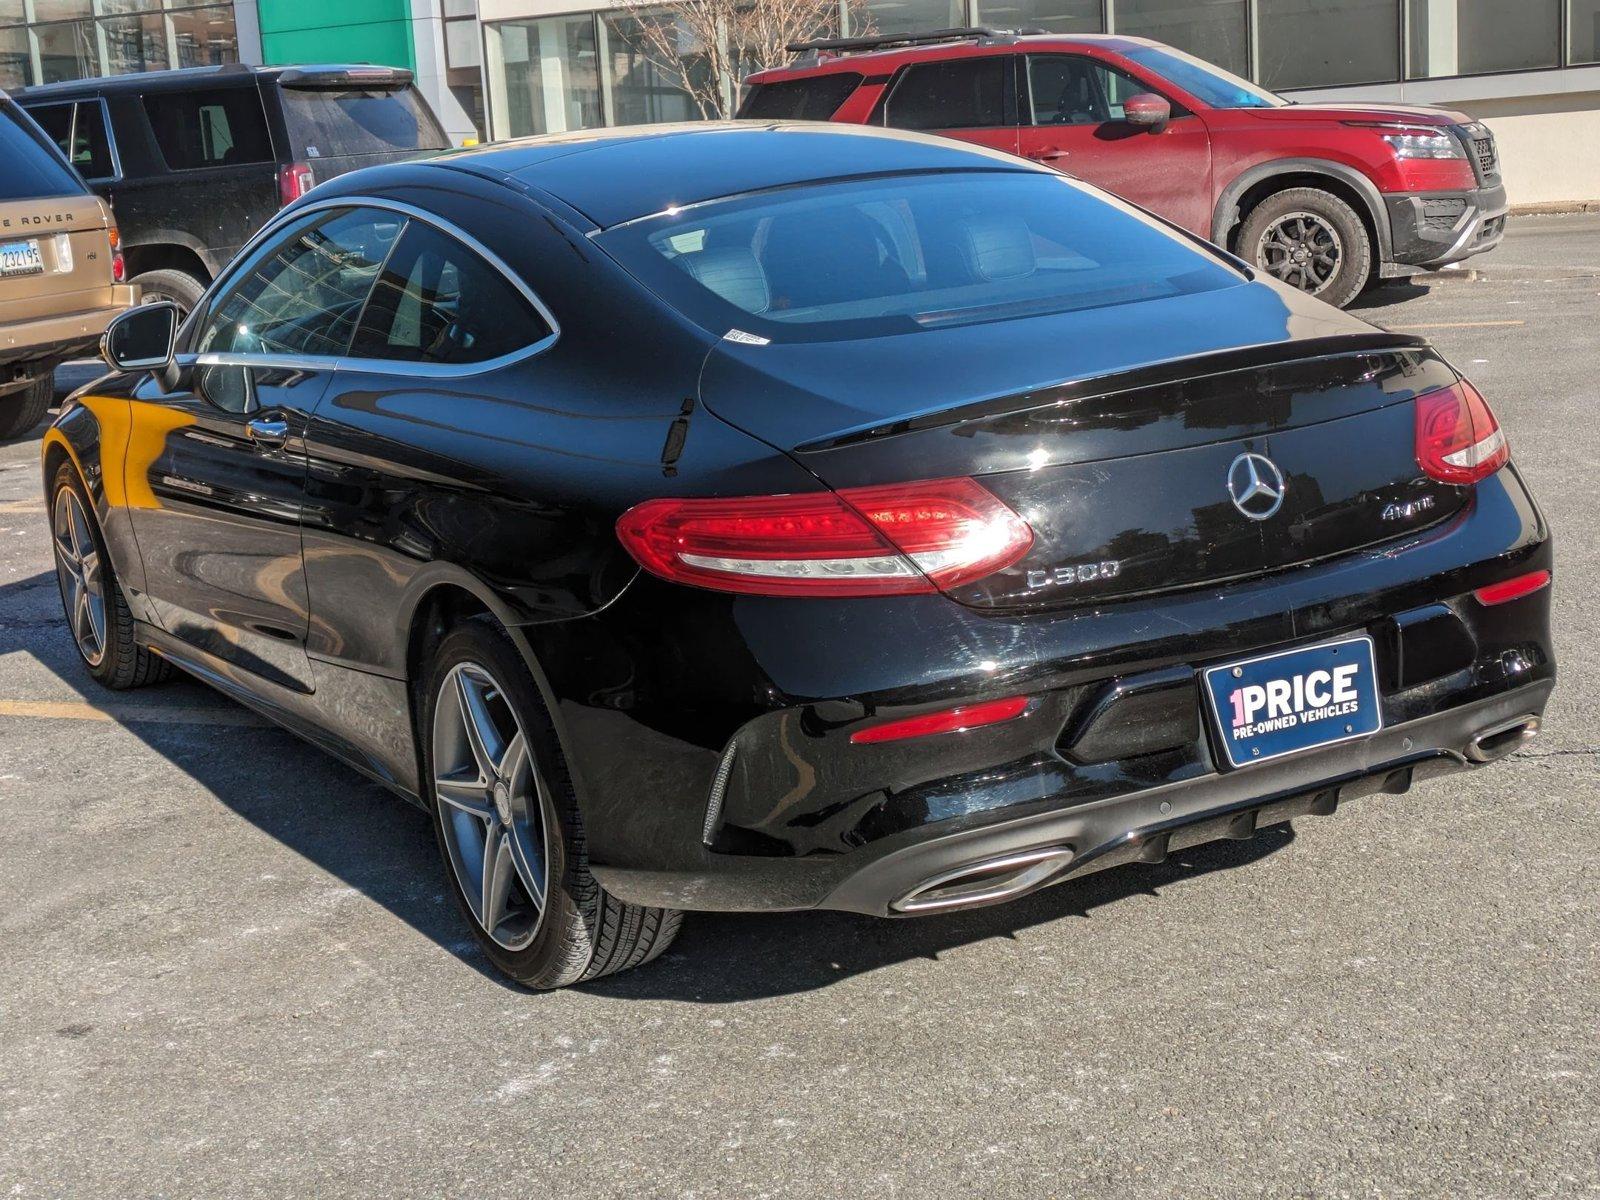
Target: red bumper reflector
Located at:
point(1513, 589)
point(951, 720)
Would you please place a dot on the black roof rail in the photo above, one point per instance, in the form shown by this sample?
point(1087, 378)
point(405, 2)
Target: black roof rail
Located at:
point(847, 45)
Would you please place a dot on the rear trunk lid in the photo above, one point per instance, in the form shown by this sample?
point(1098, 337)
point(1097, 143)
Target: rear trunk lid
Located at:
point(1136, 478)
point(341, 119)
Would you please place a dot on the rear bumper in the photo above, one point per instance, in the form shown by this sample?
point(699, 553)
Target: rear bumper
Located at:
point(54, 339)
point(1434, 229)
point(782, 812)
point(971, 869)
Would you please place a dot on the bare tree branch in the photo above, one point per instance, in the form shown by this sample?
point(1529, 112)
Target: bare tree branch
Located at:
point(709, 46)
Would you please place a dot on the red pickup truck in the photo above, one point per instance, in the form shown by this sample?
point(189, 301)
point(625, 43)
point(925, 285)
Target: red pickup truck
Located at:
point(1326, 197)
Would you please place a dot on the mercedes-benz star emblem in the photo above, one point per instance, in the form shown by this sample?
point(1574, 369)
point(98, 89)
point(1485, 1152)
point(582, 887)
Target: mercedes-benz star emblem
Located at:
point(1256, 485)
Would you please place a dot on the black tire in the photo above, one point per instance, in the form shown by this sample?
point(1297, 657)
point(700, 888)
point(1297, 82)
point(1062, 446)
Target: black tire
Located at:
point(583, 933)
point(181, 288)
point(21, 411)
point(1324, 213)
point(124, 663)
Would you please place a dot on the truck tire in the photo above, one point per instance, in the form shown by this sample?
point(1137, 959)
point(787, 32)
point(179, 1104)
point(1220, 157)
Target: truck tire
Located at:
point(182, 289)
point(1309, 239)
point(21, 411)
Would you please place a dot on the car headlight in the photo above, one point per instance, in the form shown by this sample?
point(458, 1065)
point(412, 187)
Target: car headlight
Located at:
point(1424, 145)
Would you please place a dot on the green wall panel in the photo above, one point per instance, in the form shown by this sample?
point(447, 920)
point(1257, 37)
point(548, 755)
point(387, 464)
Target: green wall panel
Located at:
point(307, 31)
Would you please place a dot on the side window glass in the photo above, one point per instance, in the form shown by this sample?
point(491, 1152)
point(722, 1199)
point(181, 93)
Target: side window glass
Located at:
point(1068, 90)
point(56, 121)
point(91, 146)
point(439, 302)
point(303, 293)
point(209, 129)
point(962, 93)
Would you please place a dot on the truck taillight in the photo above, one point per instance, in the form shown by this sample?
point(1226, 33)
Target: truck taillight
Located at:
point(874, 541)
point(294, 181)
point(1458, 438)
point(119, 266)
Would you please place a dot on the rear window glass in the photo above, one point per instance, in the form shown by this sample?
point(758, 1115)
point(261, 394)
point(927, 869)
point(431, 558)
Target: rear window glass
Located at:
point(814, 99)
point(221, 128)
point(962, 93)
point(909, 253)
point(32, 168)
point(327, 123)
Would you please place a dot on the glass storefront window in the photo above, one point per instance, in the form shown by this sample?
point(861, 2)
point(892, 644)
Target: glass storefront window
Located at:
point(66, 51)
point(1583, 31)
point(1475, 37)
point(1057, 16)
point(205, 37)
point(640, 88)
point(1316, 43)
point(543, 75)
point(15, 66)
point(1215, 30)
point(136, 43)
point(61, 10)
point(885, 17)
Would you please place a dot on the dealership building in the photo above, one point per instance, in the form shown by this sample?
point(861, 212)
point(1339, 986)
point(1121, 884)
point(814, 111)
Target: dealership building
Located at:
point(509, 68)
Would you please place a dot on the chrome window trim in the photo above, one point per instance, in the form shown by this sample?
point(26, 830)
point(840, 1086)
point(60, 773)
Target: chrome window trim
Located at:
point(72, 132)
point(382, 366)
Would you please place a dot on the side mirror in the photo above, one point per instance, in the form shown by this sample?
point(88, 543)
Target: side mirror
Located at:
point(1147, 110)
point(142, 339)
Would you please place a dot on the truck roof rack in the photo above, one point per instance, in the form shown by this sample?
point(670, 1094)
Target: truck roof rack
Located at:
point(847, 45)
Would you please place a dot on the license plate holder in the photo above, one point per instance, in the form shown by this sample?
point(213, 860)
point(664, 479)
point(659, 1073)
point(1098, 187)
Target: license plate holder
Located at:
point(21, 258)
point(1303, 699)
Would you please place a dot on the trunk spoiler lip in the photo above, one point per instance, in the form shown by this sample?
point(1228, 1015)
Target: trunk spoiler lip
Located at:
point(1172, 370)
point(337, 77)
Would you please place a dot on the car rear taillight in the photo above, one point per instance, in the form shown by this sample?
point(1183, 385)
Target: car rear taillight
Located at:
point(119, 265)
point(294, 181)
point(1458, 438)
point(875, 541)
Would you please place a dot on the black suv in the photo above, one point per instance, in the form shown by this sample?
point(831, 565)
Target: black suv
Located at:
point(194, 162)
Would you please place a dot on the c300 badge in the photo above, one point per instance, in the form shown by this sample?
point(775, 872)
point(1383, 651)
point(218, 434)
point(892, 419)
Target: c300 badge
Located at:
point(1074, 574)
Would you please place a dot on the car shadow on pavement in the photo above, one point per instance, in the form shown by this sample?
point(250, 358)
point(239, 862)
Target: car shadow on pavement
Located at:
point(724, 958)
point(350, 827)
point(384, 848)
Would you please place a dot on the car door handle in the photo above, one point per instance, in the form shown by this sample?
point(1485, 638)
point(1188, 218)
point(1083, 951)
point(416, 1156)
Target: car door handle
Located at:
point(268, 431)
point(1049, 155)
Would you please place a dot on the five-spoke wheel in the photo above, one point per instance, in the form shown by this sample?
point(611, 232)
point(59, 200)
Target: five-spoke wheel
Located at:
point(506, 814)
point(78, 569)
point(495, 807)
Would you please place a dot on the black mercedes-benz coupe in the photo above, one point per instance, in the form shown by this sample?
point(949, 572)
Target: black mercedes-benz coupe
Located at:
point(793, 516)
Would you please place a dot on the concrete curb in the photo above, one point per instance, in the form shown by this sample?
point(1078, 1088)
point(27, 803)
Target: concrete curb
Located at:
point(1551, 207)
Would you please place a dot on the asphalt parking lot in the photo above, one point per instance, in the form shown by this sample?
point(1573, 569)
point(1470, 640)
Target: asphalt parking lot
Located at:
point(229, 967)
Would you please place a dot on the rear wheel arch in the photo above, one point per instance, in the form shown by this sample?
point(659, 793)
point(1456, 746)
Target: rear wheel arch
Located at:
point(1253, 186)
point(445, 597)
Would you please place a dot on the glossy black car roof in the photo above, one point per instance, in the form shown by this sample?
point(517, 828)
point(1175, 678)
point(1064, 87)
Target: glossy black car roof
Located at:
point(616, 175)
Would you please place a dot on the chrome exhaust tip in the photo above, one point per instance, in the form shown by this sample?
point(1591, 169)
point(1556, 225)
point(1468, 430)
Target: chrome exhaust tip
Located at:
point(1502, 740)
point(986, 882)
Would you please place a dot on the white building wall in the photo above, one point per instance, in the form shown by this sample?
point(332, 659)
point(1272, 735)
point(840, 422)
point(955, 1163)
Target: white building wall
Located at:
point(1547, 124)
point(427, 40)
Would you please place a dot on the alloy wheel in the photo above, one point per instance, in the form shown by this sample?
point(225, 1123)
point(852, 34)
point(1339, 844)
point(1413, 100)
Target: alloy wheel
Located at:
point(1303, 250)
point(494, 806)
point(80, 573)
